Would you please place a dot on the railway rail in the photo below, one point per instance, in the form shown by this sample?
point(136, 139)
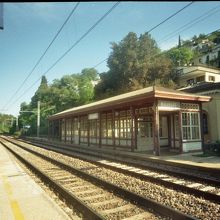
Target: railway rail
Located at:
point(94, 197)
point(208, 210)
point(209, 174)
point(199, 186)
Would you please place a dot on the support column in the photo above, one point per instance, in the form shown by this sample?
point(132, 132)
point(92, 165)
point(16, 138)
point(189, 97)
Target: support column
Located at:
point(132, 129)
point(88, 132)
point(113, 128)
point(48, 130)
point(60, 129)
point(201, 126)
point(156, 129)
point(174, 131)
point(169, 131)
point(100, 130)
point(180, 133)
point(65, 130)
point(71, 130)
point(79, 130)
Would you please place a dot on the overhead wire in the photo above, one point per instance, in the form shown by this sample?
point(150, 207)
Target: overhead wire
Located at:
point(171, 16)
point(156, 26)
point(67, 51)
point(44, 53)
point(190, 24)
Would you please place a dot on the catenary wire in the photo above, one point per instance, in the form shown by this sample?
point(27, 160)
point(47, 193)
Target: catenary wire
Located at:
point(171, 16)
point(44, 53)
point(190, 24)
point(64, 54)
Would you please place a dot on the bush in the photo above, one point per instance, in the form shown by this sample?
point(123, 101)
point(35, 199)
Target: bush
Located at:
point(17, 134)
point(212, 148)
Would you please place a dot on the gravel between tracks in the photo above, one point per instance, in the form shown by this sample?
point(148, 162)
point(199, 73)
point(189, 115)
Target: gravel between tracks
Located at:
point(132, 209)
point(189, 204)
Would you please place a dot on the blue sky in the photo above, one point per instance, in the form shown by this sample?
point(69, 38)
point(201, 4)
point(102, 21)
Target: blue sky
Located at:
point(30, 27)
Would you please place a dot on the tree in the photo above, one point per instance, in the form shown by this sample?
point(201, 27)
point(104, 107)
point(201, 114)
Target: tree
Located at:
point(180, 56)
point(132, 64)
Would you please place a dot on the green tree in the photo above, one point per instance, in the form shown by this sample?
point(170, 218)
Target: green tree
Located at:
point(132, 64)
point(180, 56)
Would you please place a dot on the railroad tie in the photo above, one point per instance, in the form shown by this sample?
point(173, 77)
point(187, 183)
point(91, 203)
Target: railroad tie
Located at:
point(113, 200)
point(194, 185)
point(118, 209)
point(208, 188)
point(141, 216)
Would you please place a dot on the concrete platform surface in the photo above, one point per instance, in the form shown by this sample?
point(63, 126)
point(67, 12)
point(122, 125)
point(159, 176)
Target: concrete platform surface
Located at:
point(20, 197)
point(192, 158)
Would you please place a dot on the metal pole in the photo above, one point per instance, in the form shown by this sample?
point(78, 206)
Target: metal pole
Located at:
point(38, 118)
point(17, 123)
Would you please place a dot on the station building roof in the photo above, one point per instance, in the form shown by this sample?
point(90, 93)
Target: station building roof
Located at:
point(149, 93)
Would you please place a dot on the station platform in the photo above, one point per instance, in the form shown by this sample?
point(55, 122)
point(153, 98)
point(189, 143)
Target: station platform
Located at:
point(20, 197)
point(191, 160)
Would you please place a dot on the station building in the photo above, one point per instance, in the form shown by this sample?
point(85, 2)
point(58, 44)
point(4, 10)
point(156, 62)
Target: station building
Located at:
point(143, 120)
point(203, 80)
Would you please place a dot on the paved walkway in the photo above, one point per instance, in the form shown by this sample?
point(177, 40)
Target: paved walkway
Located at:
point(187, 158)
point(20, 197)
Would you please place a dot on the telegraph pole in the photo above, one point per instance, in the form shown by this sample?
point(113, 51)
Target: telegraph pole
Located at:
point(17, 123)
point(38, 118)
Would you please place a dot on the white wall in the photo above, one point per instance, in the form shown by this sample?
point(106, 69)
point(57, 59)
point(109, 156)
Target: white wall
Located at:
point(192, 146)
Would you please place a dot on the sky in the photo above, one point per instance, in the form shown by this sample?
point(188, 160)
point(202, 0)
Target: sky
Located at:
point(30, 27)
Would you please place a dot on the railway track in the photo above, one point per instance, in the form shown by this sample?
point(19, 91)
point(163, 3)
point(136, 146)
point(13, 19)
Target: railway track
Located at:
point(94, 197)
point(211, 176)
point(186, 203)
point(204, 187)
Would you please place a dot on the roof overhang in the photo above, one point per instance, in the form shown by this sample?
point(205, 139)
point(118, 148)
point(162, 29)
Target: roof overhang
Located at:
point(147, 95)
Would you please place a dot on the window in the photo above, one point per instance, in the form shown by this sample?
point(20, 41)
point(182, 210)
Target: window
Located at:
point(145, 126)
point(190, 125)
point(211, 79)
point(200, 79)
point(84, 129)
point(190, 81)
point(94, 131)
point(75, 127)
point(123, 129)
point(68, 129)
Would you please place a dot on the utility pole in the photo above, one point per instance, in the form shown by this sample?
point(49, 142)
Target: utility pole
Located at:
point(38, 118)
point(17, 123)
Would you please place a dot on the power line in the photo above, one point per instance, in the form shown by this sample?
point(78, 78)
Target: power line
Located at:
point(77, 42)
point(156, 26)
point(41, 57)
point(100, 63)
point(171, 16)
point(191, 23)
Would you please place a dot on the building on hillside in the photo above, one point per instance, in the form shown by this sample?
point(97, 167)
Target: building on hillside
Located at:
point(211, 57)
point(205, 81)
point(142, 120)
point(194, 75)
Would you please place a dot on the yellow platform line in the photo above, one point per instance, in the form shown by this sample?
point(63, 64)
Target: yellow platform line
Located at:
point(14, 204)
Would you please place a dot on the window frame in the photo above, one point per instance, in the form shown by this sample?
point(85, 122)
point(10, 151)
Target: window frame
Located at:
point(191, 126)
